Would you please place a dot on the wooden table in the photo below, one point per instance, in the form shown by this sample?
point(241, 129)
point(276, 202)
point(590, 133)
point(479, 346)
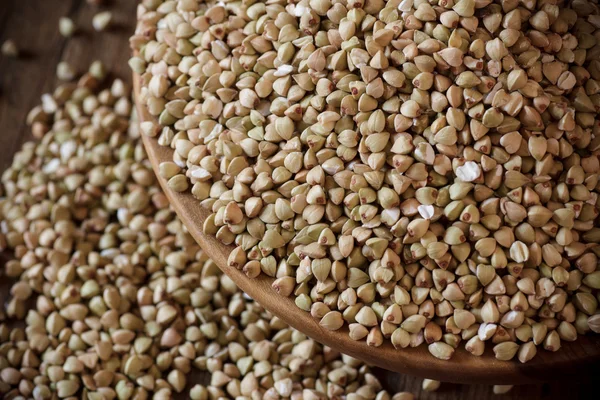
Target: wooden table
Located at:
point(33, 25)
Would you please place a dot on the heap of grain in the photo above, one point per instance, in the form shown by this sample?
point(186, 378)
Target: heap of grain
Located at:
point(422, 171)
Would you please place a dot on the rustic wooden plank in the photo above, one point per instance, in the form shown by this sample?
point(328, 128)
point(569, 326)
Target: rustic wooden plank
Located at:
point(111, 46)
point(5, 12)
point(23, 80)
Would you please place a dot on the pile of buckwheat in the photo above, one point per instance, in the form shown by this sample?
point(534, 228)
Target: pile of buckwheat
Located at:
point(118, 300)
point(421, 171)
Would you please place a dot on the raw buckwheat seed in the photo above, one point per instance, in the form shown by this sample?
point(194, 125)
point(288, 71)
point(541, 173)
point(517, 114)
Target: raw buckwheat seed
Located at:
point(422, 171)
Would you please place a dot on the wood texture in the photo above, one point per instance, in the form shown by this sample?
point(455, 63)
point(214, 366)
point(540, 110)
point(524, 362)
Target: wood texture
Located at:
point(574, 359)
point(33, 25)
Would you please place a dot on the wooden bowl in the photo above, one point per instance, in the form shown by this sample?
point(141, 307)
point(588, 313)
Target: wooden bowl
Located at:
point(576, 360)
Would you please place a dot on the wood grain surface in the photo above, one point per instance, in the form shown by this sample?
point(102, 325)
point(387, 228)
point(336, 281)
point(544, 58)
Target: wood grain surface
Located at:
point(32, 24)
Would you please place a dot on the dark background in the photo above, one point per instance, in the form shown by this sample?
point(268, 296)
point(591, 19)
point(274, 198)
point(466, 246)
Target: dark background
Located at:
point(33, 25)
